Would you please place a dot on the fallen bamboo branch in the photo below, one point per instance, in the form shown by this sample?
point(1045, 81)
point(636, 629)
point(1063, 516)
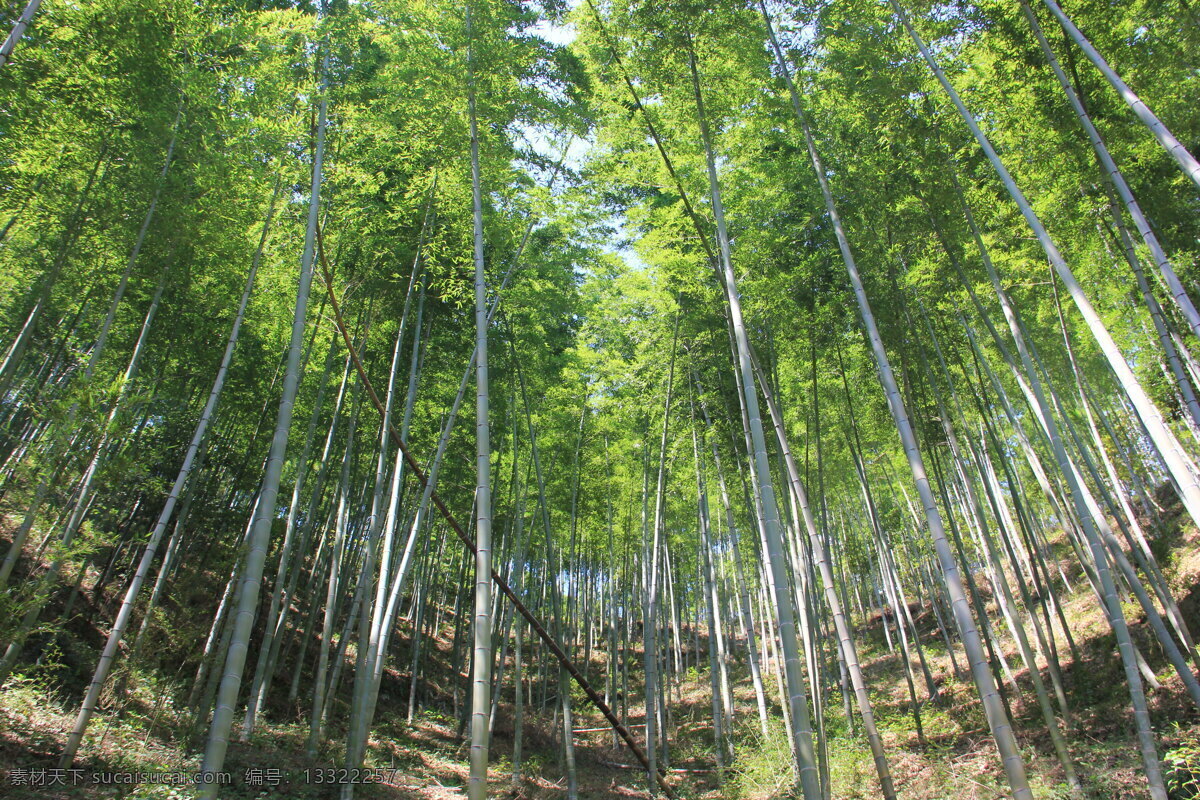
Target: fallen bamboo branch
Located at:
point(598, 730)
point(619, 765)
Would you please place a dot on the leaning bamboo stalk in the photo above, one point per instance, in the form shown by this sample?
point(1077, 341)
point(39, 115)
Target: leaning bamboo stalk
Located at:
point(108, 656)
point(801, 726)
point(481, 686)
point(14, 36)
point(260, 538)
point(847, 648)
point(547, 641)
point(1164, 440)
point(997, 717)
point(84, 499)
point(1177, 151)
point(1117, 178)
point(745, 607)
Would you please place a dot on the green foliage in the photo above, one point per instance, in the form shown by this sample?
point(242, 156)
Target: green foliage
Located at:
point(757, 769)
point(609, 279)
point(1181, 767)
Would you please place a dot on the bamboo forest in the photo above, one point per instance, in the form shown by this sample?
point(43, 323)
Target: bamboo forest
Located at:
point(428, 399)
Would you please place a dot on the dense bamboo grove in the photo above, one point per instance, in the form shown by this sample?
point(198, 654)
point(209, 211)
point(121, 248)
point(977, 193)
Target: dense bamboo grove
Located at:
point(801, 337)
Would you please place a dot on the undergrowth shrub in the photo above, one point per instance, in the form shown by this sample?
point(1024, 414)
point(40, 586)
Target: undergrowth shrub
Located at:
point(763, 766)
point(1181, 768)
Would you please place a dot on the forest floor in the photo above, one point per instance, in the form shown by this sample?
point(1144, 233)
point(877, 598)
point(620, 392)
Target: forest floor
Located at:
point(427, 759)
